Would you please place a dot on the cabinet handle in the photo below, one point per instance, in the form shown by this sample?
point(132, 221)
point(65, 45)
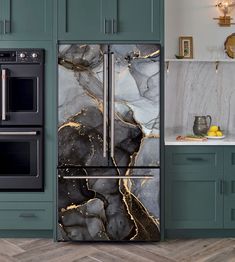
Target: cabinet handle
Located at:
point(114, 27)
point(6, 27)
point(105, 80)
point(27, 215)
point(194, 158)
point(105, 32)
point(221, 187)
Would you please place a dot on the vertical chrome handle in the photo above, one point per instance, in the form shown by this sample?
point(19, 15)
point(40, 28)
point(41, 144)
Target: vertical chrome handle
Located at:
point(112, 104)
point(221, 187)
point(6, 27)
point(105, 32)
point(4, 75)
point(114, 27)
point(105, 83)
point(1, 27)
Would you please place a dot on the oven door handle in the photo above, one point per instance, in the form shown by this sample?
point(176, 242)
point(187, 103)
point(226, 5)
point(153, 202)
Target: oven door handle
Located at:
point(30, 133)
point(4, 93)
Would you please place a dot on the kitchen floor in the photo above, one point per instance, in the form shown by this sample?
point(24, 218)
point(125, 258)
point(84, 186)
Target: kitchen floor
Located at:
point(25, 250)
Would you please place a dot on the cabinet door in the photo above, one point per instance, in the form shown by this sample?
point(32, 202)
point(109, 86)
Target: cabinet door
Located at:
point(27, 20)
point(84, 19)
point(194, 198)
point(137, 20)
point(135, 105)
point(229, 183)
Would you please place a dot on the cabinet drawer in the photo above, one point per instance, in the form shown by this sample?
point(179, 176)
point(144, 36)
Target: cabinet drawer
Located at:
point(198, 158)
point(25, 215)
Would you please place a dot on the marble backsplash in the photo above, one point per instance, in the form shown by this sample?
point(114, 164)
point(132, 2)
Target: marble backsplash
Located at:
point(195, 88)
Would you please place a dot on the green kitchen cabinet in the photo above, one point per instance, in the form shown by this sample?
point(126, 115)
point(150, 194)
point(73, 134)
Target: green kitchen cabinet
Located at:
point(26, 19)
point(194, 187)
point(229, 187)
point(112, 20)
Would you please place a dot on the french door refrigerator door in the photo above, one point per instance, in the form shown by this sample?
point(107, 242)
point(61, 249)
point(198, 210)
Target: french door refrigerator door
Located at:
point(83, 105)
point(109, 105)
point(97, 204)
point(134, 105)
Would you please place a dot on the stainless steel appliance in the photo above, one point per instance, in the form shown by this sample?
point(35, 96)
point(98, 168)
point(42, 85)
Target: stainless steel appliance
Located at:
point(21, 119)
point(109, 143)
point(22, 74)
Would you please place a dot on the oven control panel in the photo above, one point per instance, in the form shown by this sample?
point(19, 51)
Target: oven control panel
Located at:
point(22, 56)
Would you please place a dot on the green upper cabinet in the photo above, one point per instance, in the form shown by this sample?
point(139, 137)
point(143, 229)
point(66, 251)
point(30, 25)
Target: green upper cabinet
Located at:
point(114, 20)
point(137, 20)
point(26, 19)
point(83, 19)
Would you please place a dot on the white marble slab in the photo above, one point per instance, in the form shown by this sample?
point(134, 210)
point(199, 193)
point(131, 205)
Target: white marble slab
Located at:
point(194, 88)
point(227, 141)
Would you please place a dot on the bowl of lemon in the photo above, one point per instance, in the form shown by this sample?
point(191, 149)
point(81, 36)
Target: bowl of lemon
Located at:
point(215, 132)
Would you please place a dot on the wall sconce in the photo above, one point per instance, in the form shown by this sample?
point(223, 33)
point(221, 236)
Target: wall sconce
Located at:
point(225, 7)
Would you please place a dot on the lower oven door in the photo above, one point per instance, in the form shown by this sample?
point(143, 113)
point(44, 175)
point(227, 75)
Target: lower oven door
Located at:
point(21, 161)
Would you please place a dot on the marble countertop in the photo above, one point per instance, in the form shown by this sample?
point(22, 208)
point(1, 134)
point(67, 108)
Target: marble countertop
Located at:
point(227, 141)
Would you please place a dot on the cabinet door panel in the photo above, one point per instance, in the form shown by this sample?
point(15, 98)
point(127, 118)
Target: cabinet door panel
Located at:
point(138, 20)
point(28, 20)
point(192, 202)
point(229, 194)
point(84, 19)
point(195, 158)
point(136, 97)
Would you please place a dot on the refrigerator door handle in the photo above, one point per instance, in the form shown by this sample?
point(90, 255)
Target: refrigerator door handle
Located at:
point(105, 177)
point(112, 104)
point(105, 81)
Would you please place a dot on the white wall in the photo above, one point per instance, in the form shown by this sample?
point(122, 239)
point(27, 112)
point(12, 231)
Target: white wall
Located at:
point(195, 18)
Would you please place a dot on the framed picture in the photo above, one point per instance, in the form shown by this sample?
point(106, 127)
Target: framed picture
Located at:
point(186, 46)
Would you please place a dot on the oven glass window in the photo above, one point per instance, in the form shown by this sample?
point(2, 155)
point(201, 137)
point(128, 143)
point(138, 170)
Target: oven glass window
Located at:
point(15, 158)
point(22, 94)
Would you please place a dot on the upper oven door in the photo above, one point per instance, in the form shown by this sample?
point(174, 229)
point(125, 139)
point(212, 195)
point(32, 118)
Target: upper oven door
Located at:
point(21, 94)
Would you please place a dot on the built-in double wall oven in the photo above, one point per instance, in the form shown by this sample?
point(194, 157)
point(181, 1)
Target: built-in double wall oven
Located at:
point(21, 119)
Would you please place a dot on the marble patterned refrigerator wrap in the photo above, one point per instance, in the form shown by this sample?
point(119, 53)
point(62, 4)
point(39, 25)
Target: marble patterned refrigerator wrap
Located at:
point(111, 198)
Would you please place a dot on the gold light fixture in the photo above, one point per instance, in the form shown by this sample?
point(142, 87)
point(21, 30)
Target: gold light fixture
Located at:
point(225, 7)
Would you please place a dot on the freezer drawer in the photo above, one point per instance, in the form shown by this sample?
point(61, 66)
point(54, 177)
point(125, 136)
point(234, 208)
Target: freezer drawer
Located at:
point(107, 206)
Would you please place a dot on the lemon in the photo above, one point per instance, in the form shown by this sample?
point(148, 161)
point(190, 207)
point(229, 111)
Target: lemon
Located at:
point(210, 133)
point(213, 129)
point(219, 133)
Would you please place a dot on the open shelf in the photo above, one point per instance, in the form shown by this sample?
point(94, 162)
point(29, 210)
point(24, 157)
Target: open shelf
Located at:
point(200, 60)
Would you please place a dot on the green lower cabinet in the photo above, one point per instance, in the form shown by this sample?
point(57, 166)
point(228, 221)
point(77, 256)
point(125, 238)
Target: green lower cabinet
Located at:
point(199, 187)
point(26, 216)
point(229, 184)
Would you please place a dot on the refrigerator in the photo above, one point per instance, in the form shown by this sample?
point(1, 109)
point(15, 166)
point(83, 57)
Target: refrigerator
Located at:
point(108, 142)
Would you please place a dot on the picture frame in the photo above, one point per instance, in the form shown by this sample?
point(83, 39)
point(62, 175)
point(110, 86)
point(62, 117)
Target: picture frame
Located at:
point(186, 47)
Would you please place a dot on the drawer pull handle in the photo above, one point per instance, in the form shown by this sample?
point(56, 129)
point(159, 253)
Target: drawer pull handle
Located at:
point(27, 215)
point(194, 158)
